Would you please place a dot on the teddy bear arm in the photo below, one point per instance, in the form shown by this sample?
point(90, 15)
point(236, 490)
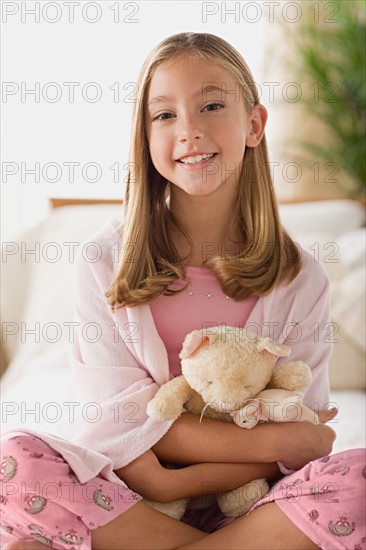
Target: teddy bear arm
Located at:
point(308, 415)
point(292, 376)
point(288, 408)
point(169, 399)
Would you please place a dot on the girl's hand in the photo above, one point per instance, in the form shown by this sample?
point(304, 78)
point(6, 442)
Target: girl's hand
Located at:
point(326, 415)
point(303, 442)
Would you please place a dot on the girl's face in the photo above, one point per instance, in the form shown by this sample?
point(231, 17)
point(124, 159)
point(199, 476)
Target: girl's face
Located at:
point(184, 117)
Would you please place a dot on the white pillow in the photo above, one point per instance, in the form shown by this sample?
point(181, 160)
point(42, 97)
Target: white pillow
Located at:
point(348, 305)
point(333, 217)
point(352, 248)
point(46, 285)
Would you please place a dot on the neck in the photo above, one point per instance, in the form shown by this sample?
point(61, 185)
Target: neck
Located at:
point(208, 222)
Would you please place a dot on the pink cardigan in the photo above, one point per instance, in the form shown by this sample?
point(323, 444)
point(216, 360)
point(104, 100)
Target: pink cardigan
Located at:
point(119, 360)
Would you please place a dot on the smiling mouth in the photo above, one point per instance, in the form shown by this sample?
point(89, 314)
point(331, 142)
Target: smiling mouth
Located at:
point(196, 163)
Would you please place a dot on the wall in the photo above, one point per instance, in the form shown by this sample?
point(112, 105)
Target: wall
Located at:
point(99, 47)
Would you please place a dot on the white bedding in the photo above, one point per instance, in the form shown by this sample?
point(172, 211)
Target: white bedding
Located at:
point(349, 424)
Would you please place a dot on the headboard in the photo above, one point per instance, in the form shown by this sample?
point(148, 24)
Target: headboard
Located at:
point(56, 203)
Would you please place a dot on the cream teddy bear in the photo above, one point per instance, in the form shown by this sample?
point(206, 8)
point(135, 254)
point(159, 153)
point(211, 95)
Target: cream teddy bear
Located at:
point(229, 373)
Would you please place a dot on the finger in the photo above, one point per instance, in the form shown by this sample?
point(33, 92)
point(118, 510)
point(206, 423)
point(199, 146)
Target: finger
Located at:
point(326, 415)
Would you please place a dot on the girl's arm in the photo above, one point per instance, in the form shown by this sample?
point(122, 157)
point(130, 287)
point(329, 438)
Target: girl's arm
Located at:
point(294, 443)
point(149, 478)
point(213, 478)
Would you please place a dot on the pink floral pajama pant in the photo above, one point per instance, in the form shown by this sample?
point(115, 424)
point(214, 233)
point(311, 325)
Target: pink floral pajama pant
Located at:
point(41, 498)
point(326, 500)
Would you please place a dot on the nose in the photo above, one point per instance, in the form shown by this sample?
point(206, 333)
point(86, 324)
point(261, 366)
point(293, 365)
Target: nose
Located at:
point(189, 128)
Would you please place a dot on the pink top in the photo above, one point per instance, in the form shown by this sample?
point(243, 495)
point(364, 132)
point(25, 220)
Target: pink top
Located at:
point(202, 304)
point(122, 370)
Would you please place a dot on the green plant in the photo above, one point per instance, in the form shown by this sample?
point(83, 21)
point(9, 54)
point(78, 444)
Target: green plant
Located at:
point(331, 54)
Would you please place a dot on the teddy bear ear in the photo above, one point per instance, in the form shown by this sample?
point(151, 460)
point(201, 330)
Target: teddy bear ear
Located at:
point(193, 341)
point(273, 347)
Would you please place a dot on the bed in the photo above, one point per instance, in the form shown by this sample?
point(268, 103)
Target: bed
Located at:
point(37, 315)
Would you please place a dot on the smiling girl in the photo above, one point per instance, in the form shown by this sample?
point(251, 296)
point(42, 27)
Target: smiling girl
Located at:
point(200, 242)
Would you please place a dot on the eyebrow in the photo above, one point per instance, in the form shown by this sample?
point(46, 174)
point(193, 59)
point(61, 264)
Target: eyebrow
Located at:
point(208, 88)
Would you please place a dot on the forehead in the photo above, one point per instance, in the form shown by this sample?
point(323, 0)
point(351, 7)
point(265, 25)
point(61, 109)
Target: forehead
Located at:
point(190, 75)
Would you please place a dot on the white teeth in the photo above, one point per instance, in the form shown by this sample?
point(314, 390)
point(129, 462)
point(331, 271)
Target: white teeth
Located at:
point(196, 158)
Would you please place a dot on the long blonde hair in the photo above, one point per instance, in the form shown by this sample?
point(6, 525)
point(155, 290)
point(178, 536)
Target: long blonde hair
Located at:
point(149, 262)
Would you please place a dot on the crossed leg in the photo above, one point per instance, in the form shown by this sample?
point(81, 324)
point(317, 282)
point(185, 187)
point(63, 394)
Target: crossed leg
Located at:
point(267, 528)
point(142, 528)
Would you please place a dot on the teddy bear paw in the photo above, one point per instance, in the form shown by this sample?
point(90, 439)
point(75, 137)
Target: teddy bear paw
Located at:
point(174, 509)
point(237, 502)
point(158, 409)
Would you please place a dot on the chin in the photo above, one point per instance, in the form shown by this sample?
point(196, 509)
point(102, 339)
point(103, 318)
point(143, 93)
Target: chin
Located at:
point(199, 190)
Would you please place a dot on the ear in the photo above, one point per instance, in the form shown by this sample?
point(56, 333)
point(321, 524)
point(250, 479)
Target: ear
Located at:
point(257, 124)
point(273, 347)
point(193, 341)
